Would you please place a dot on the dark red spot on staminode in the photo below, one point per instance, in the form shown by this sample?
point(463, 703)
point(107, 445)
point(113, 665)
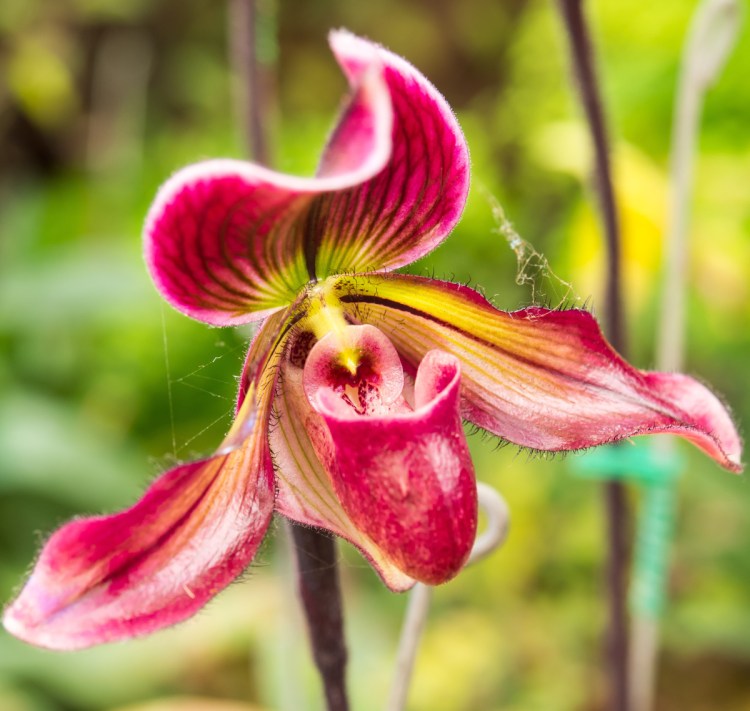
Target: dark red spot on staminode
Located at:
point(360, 389)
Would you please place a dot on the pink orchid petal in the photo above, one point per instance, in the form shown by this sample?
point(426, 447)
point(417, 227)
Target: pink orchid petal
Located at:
point(404, 477)
point(305, 491)
point(411, 206)
point(228, 242)
point(113, 577)
point(195, 529)
point(541, 378)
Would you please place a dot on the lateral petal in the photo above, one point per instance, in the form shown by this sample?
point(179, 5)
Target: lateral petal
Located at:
point(541, 378)
point(196, 528)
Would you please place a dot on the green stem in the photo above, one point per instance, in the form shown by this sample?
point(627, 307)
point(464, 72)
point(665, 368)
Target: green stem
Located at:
point(712, 34)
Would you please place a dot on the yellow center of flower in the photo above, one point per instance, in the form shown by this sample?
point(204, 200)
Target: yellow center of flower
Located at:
point(325, 315)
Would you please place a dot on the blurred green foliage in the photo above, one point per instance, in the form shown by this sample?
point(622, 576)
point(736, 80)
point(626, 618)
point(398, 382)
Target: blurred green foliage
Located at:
point(100, 100)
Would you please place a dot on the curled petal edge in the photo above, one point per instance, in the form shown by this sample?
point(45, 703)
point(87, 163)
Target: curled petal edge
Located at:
point(224, 240)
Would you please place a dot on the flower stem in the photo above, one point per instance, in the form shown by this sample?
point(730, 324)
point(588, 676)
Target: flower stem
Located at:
point(583, 64)
point(617, 522)
point(415, 620)
point(252, 78)
point(315, 552)
point(614, 494)
point(321, 600)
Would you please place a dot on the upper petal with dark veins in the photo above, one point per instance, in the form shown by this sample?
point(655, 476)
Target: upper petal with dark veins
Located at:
point(415, 201)
point(228, 241)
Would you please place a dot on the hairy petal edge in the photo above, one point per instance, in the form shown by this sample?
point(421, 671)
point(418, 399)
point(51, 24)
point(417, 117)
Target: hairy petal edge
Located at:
point(541, 378)
point(196, 528)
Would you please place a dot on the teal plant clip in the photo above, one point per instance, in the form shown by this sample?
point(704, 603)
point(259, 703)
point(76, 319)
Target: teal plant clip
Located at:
point(643, 461)
point(655, 466)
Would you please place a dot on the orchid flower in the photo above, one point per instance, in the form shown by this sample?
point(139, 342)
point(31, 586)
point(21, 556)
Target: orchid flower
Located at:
point(351, 400)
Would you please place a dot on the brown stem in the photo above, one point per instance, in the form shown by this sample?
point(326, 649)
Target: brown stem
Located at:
point(315, 552)
point(619, 552)
point(614, 494)
point(321, 600)
point(583, 64)
point(251, 77)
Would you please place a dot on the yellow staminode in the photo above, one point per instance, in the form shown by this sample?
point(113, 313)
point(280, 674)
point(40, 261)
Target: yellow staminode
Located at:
point(325, 315)
point(349, 358)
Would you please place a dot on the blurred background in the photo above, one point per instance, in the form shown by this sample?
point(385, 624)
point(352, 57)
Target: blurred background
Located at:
point(101, 100)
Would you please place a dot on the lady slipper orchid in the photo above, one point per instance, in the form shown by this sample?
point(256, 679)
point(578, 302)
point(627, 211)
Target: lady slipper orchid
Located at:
point(365, 373)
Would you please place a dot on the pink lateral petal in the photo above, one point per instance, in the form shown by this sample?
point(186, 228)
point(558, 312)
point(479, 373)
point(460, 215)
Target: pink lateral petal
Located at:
point(406, 479)
point(196, 528)
point(541, 378)
point(113, 577)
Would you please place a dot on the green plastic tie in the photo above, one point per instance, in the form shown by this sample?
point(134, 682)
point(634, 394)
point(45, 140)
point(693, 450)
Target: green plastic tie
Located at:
point(655, 469)
point(641, 461)
point(652, 545)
